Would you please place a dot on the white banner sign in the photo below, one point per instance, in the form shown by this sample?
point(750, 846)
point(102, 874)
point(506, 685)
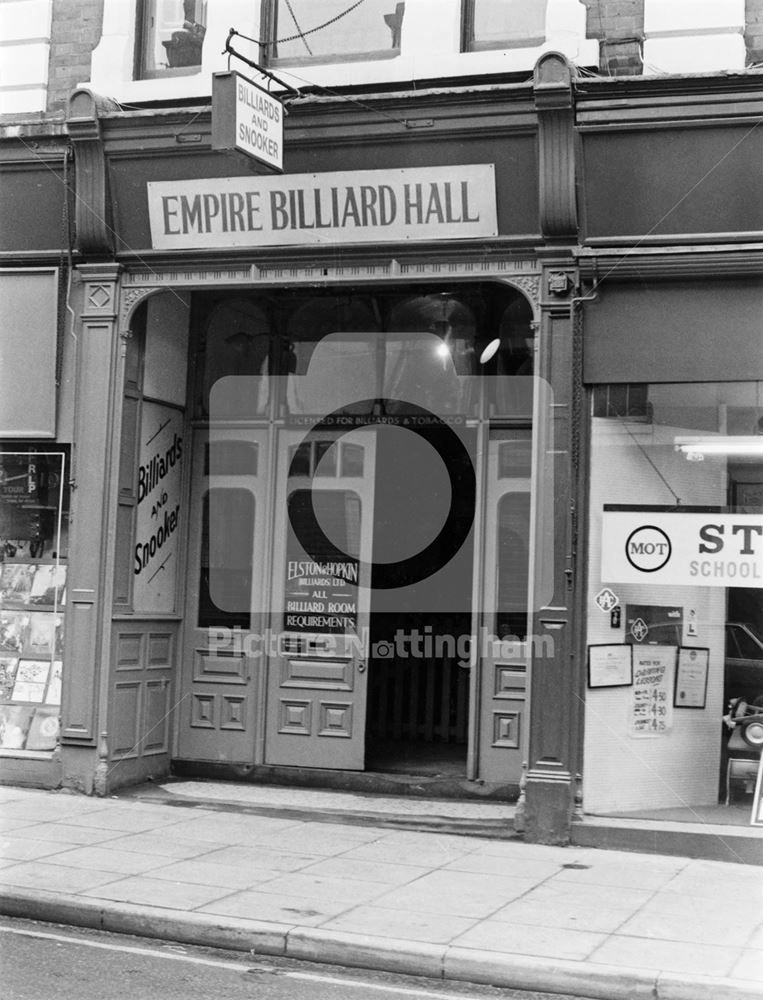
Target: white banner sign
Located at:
point(366, 206)
point(673, 548)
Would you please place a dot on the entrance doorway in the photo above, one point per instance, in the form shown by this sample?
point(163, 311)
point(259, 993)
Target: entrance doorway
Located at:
point(388, 546)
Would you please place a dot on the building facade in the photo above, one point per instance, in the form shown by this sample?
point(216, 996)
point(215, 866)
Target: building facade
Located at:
point(367, 466)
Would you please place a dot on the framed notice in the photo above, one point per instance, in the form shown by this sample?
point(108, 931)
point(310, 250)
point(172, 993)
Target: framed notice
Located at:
point(610, 665)
point(691, 677)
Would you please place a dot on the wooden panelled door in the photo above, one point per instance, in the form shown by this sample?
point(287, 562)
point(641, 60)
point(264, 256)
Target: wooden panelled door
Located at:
point(226, 546)
point(317, 679)
point(505, 681)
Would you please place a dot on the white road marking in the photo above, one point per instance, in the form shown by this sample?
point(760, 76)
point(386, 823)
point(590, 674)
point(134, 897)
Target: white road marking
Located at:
point(240, 966)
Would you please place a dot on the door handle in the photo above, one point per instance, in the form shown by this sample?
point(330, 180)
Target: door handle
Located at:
point(361, 667)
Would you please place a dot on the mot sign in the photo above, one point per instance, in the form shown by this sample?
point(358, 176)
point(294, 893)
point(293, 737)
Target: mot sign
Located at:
point(672, 548)
point(247, 118)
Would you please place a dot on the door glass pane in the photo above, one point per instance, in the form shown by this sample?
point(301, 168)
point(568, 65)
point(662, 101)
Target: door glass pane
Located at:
point(512, 546)
point(236, 341)
point(515, 455)
point(322, 561)
point(230, 458)
point(225, 578)
point(332, 359)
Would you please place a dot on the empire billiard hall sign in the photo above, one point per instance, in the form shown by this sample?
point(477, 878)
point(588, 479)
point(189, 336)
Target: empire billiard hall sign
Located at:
point(247, 118)
point(364, 206)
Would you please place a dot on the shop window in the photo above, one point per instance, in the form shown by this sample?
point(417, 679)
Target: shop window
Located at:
point(503, 24)
point(34, 508)
point(332, 30)
point(675, 570)
point(170, 37)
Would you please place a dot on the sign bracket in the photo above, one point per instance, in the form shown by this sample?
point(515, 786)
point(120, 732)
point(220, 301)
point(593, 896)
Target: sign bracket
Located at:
point(271, 77)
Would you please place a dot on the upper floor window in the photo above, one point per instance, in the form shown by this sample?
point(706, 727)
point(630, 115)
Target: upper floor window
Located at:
point(331, 30)
point(502, 24)
point(170, 37)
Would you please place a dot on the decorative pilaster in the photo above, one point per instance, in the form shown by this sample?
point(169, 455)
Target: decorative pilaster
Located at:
point(554, 102)
point(90, 564)
point(92, 206)
point(555, 706)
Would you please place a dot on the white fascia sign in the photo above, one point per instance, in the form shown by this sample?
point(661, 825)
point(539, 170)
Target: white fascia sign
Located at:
point(360, 206)
point(672, 548)
point(247, 118)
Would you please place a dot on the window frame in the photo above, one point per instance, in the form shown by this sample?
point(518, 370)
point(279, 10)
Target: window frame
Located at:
point(269, 28)
point(143, 41)
point(470, 44)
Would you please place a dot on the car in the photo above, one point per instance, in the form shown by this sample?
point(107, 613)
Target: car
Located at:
point(744, 662)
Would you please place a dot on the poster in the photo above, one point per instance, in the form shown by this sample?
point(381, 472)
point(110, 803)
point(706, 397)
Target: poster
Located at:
point(14, 726)
point(43, 730)
point(48, 586)
point(53, 694)
point(655, 623)
point(34, 505)
point(31, 680)
point(8, 667)
point(159, 513)
point(651, 705)
point(16, 583)
point(14, 626)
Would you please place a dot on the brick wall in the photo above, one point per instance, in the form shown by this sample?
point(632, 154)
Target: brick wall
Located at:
point(619, 27)
point(75, 33)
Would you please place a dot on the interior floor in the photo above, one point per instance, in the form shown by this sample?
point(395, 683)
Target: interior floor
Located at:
point(447, 760)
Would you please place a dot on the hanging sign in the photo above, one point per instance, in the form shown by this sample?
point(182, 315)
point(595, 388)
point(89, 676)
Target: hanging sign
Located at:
point(682, 549)
point(247, 118)
point(363, 206)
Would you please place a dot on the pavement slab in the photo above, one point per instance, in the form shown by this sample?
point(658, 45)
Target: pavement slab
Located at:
point(592, 923)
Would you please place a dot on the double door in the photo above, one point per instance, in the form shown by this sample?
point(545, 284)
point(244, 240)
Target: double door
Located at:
point(279, 608)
